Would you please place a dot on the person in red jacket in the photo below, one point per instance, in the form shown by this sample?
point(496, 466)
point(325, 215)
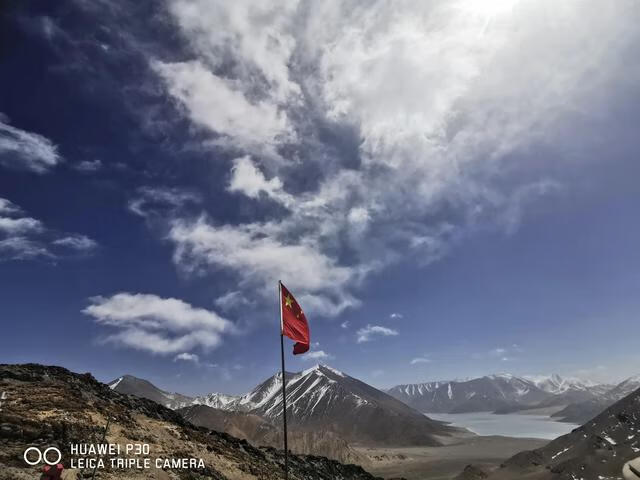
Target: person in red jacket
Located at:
point(52, 472)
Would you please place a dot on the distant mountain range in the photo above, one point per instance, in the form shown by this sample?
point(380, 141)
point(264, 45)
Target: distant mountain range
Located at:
point(596, 450)
point(321, 400)
point(504, 393)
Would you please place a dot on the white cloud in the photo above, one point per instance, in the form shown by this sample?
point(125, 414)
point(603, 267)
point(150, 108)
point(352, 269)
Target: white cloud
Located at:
point(216, 104)
point(88, 166)
point(260, 259)
point(345, 324)
point(157, 325)
point(231, 300)
point(252, 36)
point(17, 226)
point(153, 200)
point(80, 243)
point(23, 248)
point(26, 150)
point(367, 333)
point(396, 316)
point(9, 208)
point(26, 238)
point(418, 360)
point(317, 355)
point(248, 179)
point(437, 99)
point(187, 357)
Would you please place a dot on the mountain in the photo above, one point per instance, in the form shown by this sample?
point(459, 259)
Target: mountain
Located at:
point(489, 393)
point(583, 411)
point(130, 385)
point(596, 450)
point(557, 385)
point(217, 400)
point(501, 393)
point(320, 399)
point(327, 399)
point(51, 406)
point(624, 388)
point(259, 431)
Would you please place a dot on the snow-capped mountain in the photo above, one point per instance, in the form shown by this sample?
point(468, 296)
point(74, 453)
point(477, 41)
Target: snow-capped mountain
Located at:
point(489, 393)
point(583, 411)
point(320, 398)
point(217, 400)
point(139, 387)
point(327, 398)
point(625, 387)
point(556, 385)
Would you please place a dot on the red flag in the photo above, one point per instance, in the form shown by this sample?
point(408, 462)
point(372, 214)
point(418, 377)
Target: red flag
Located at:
point(293, 322)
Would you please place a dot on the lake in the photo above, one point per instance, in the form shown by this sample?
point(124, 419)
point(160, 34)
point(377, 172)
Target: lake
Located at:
point(512, 425)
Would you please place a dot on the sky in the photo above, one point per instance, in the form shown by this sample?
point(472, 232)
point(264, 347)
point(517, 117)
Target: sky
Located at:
point(449, 188)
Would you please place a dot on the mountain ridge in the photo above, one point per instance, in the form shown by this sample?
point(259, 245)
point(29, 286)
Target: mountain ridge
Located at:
point(52, 406)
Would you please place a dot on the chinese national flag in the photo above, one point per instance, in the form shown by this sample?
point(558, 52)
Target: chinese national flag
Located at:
point(293, 322)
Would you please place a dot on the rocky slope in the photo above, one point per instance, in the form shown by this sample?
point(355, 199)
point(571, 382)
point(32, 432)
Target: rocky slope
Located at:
point(583, 410)
point(259, 431)
point(51, 406)
point(597, 450)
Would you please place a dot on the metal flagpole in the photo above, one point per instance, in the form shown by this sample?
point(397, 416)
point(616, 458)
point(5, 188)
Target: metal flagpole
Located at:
point(284, 392)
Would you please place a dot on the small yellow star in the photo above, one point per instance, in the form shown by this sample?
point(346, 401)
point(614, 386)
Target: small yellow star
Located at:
point(288, 301)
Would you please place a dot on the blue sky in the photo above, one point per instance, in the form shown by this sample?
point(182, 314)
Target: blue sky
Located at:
point(449, 189)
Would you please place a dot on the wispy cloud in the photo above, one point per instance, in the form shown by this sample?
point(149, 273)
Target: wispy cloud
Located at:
point(161, 201)
point(344, 324)
point(26, 238)
point(23, 150)
point(441, 157)
point(418, 360)
point(369, 332)
point(396, 316)
point(187, 357)
point(80, 243)
point(157, 325)
point(317, 355)
point(88, 166)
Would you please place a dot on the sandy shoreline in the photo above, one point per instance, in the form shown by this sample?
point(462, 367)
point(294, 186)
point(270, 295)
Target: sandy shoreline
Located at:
point(440, 463)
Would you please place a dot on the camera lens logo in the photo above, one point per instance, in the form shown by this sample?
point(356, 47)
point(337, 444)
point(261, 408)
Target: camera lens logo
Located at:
point(47, 455)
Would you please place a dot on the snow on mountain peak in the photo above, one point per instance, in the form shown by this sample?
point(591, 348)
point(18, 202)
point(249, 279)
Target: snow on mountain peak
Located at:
point(319, 369)
point(115, 384)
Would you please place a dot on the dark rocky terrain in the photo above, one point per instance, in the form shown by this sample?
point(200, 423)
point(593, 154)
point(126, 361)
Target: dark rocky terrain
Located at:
point(259, 431)
point(51, 406)
point(596, 450)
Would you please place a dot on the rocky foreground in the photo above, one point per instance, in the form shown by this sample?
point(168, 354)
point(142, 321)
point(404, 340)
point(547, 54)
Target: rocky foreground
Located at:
point(50, 406)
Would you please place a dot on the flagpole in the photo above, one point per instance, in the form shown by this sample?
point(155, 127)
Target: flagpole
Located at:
point(284, 392)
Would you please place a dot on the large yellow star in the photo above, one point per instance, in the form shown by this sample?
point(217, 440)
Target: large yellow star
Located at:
point(288, 301)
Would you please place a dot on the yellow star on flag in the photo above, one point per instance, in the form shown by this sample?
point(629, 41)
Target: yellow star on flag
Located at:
point(288, 301)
